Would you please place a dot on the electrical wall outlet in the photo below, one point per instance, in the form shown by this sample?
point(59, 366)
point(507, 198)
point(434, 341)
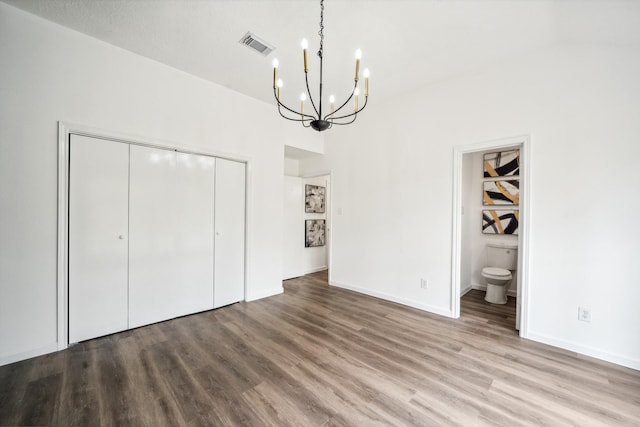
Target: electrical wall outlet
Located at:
point(424, 283)
point(584, 314)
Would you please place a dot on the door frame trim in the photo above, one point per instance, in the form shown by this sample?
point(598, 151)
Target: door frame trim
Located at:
point(65, 130)
point(524, 141)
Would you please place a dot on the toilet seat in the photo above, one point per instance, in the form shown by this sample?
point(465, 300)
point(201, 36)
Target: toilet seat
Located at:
point(496, 273)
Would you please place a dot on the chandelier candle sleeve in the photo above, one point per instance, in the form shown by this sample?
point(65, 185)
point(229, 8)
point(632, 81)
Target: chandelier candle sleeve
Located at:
point(305, 45)
point(366, 82)
point(275, 72)
point(355, 99)
point(302, 98)
point(358, 57)
point(332, 100)
point(279, 87)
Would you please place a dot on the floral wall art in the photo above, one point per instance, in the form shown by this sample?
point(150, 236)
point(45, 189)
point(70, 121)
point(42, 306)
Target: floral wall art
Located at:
point(314, 233)
point(314, 200)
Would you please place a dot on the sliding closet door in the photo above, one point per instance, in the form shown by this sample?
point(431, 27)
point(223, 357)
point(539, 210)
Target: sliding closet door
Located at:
point(229, 226)
point(98, 230)
point(195, 177)
point(171, 244)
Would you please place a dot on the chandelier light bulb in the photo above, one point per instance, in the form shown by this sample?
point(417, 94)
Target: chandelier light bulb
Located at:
point(365, 73)
point(279, 83)
point(332, 99)
point(275, 63)
point(357, 91)
point(358, 54)
point(303, 97)
point(304, 43)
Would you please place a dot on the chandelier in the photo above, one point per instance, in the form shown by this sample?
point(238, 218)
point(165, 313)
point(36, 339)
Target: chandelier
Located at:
point(315, 119)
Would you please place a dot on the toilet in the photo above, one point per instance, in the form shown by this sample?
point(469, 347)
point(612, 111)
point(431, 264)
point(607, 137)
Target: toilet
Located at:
point(503, 260)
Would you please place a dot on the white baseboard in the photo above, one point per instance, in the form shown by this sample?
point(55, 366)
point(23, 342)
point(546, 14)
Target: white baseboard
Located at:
point(585, 350)
point(17, 357)
point(388, 297)
point(315, 270)
point(253, 297)
point(465, 290)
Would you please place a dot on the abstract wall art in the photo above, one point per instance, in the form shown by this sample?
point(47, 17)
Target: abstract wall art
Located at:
point(502, 163)
point(506, 192)
point(314, 233)
point(500, 222)
point(314, 198)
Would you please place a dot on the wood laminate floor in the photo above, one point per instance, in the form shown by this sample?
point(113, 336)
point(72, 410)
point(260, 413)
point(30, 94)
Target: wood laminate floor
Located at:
point(320, 356)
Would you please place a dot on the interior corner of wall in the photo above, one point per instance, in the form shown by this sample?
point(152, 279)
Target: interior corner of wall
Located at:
point(265, 294)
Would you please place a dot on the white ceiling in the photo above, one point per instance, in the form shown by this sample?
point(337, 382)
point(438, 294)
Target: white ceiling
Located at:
point(405, 43)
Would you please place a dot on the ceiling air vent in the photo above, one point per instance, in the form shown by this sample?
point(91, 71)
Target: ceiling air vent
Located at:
point(254, 42)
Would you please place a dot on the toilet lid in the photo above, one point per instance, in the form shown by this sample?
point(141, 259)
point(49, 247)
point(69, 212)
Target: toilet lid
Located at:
point(496, 271)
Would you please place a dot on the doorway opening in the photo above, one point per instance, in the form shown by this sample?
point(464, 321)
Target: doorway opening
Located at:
point(473, 213)
point(307, 222)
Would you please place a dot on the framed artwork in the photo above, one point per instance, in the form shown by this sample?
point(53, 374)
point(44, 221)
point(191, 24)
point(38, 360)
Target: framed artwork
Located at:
point(500, 222)
point(314, 233)
point(314, 198)
point(502, 163)
point(505, 192)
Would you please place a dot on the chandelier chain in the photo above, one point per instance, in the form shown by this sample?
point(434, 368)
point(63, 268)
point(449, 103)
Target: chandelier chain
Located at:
point(321, 32)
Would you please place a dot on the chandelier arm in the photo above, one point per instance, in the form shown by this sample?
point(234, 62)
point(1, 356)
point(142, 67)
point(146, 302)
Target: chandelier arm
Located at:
point(366, 98)
point(310, 118)
point(328, 116)
point(303, 120)
point(345, 123)
point(313, 104)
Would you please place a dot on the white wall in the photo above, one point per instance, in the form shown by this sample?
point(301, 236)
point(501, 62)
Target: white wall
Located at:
point(392, 179)
point(293, 228)
point(50, 73)
point(291, 167)
point(467, 232)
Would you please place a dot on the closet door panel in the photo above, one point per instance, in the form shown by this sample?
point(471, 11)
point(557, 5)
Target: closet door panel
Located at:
point(98, 230)
point(230, 229)
point(153, 276)
point(171, 223)
point(195, 232)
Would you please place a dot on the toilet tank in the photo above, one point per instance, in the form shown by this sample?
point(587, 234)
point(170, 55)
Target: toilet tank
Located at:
point(502, 255)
